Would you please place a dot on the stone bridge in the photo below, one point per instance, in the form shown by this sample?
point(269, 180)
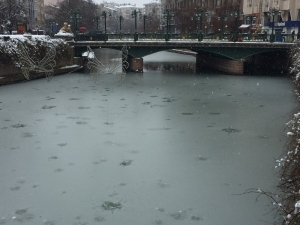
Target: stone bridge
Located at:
point(228, 57)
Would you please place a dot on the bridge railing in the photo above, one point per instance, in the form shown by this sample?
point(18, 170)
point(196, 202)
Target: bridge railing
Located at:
point(239, 37)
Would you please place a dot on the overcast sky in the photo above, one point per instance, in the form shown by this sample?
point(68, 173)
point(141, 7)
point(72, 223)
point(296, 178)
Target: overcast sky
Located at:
point(137, 2)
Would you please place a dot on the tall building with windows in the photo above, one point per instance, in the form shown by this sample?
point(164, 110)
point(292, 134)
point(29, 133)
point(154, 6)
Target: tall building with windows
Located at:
point(36, 14)
point(279, 15)
point(208, 4)
point(153, 8)
point(39, 13)
point(210, 20)
point(31, 20)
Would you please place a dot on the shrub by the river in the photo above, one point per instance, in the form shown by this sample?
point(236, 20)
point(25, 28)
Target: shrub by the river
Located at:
point(287, 202)
point(289, 199)
point(37, 46)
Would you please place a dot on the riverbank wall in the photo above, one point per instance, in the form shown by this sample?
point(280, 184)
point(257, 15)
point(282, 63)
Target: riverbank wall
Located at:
point(36, 52)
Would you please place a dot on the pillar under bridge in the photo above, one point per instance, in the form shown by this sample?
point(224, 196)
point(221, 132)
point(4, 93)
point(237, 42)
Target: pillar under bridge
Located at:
point(135, 64)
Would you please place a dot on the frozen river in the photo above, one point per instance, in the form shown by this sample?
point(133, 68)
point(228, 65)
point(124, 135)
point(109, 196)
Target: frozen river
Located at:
point(166, 147)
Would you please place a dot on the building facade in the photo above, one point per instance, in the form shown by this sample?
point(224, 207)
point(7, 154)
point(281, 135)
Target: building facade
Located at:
point(36, 14)
point(216, 15)
point(279, 15)
point(39, 18)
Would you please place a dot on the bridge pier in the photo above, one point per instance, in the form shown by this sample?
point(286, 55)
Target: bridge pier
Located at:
point(229, 66)
point(135, 64)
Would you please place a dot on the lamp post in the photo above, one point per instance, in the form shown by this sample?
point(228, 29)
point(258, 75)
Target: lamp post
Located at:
point(237, 13)
point(121, 20)
point(144, 18)
point(97, 20)
point(104, 16)
point(272, 13)
point(222, 18)
point(168, 16)
point(134, 15)
point(198, 17)
point(75, 17)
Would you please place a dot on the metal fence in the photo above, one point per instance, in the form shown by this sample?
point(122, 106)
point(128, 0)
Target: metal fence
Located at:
point(226, 37)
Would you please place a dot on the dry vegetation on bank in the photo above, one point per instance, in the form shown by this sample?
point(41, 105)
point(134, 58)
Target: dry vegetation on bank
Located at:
point(289, 186)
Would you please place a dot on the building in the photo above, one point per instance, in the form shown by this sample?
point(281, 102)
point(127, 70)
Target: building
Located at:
point(153, 8)
point(208, 4)
point(39, 13)
point(50, 2)
point(126, 10)
point(279, 15)
point(214, 14)
point(35, 14)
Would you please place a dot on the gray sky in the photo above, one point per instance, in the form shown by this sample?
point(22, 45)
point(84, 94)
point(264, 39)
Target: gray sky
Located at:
point(137, 2)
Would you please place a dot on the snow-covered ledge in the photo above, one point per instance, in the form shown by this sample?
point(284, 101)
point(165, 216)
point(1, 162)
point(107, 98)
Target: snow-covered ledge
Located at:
point(64, 35)
point(10, 64)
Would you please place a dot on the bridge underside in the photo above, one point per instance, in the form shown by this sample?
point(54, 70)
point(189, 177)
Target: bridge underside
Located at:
point(226, 58)
point(231, 61)
point(230, 53)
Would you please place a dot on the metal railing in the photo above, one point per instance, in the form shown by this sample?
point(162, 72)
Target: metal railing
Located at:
point(226, 37)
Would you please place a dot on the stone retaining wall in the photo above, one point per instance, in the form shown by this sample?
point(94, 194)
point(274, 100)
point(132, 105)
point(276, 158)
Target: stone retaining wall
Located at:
point(235, 67)
point(10, 70)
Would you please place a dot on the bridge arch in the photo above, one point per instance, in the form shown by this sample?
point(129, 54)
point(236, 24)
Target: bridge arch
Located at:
point(229, 54)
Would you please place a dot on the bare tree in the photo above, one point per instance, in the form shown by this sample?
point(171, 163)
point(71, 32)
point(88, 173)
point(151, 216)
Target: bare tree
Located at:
point(12, 12)
point(87, 12)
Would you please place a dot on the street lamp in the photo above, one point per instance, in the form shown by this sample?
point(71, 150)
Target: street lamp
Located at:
point(144, 18)
point(75, 17)
point(134, 15)
point(272, 12)
point(168, 16)
point(222, 18)
point(104, 16)
point(237, 13)
point(198, 17)
point(121, 20)
point(97, 20)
